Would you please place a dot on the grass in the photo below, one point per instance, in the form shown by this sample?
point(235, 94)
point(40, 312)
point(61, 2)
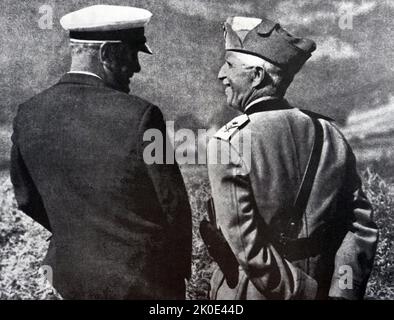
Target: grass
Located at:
point(23, 243)
point(22, 247)
point(381, 283)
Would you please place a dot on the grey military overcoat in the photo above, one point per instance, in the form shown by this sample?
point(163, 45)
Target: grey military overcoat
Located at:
point(333, 249)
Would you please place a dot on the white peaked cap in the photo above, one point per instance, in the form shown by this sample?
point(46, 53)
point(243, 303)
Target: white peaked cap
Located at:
point(105, 18)
point(105, 23)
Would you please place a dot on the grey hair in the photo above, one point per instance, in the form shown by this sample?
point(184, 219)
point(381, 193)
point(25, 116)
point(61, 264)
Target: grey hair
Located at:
point(89, 48)
point(276, 79)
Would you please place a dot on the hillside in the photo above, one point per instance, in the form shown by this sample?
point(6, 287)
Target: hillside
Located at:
point(371, 134)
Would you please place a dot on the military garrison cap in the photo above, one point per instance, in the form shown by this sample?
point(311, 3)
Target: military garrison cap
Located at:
point(268, 40)
point(108, 23)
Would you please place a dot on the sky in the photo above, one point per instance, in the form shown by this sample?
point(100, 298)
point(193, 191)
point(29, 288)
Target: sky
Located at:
point(352, 68)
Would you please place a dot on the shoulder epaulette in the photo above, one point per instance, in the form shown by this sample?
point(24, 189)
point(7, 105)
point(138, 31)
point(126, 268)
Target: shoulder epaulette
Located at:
point(227, 131)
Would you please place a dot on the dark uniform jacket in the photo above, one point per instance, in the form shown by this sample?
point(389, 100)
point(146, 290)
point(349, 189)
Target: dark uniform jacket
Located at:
point(121, 228)
point(333, 248)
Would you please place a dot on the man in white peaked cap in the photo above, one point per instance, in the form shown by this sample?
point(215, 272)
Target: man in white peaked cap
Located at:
point(121, 229)
point(290, 205)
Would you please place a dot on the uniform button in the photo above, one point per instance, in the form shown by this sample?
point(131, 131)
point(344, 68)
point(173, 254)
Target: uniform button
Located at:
point(292, 224)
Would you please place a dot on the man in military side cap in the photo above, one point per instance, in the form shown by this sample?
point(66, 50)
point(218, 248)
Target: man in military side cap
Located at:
point(121, 229)
point(288, 201)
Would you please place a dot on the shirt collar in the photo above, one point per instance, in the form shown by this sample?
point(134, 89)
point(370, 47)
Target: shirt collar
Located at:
point(259, 100)
point(87, 73)
point(265, 104)
point(82, 79)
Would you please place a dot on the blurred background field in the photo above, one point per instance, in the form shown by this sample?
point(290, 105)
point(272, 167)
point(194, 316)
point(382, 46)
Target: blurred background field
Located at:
point(23, 242)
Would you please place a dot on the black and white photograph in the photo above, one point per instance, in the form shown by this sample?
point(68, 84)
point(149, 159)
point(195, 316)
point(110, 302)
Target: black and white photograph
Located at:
point(197, 150)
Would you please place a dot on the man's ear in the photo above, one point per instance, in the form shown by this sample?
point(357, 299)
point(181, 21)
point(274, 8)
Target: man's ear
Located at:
point(105, 55)
point(258, 76)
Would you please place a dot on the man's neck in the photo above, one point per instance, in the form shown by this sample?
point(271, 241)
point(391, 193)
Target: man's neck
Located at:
point(255, 97)
point(86, 65)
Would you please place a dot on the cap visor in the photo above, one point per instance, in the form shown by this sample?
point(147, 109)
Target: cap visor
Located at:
point(145, 48)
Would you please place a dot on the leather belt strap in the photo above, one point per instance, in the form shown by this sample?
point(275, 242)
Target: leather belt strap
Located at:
point(304, 192)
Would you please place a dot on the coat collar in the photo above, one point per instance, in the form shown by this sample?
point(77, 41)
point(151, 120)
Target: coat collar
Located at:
point(82, 79)
point(268, 105)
